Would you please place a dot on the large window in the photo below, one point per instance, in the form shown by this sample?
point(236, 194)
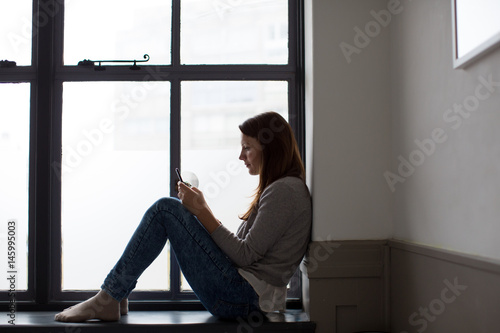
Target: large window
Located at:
point(15, 101)
point(14, 182)
point(87, 147)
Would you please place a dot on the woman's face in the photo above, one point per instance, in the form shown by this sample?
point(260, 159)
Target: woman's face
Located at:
point(251, 154)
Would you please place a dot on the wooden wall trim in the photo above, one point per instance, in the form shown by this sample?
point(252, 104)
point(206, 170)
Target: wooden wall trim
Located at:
point(346, 285)
point(438, 290)
point(476, 262)
point(342, 259)
point(383, 285)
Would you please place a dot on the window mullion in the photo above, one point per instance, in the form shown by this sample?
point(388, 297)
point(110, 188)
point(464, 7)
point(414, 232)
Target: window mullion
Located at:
point(56, 156)
point(176, 33)
point(175, 161)
point(175, 134)
point(17, 74)
point(44, 87)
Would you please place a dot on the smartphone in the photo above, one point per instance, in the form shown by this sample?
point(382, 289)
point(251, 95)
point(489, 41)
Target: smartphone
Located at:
point(179, 175)
point(177, 171)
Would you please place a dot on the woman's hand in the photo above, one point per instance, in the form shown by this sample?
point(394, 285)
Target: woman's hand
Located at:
point(193, 199)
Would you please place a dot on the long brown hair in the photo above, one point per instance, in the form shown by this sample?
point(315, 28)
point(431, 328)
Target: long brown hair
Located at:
point(280, 152)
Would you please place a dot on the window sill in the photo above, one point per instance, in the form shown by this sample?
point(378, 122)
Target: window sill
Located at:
point(164, 321)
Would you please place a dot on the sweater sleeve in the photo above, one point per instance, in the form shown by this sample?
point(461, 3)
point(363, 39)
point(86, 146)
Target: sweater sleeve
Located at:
point(274, 213)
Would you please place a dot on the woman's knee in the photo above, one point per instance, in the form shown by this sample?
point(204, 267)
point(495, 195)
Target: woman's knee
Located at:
point(165, 205)
point(168, 202)
point(170, 206)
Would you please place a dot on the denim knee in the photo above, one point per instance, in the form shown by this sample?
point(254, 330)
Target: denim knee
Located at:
point(168, 202)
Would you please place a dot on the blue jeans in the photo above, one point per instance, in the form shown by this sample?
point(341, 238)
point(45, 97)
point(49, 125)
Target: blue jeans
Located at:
point(210, 273)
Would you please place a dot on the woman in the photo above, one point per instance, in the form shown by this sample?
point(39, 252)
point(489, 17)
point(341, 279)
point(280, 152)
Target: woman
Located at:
point(232, 274)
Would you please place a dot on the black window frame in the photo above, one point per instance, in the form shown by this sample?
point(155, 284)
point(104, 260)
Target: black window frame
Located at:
point(47, 74)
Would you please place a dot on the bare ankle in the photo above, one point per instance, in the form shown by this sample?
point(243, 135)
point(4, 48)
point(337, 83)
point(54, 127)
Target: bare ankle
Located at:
point(124, 306)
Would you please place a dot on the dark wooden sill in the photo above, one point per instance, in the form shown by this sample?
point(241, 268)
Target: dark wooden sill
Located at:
point(160, 321)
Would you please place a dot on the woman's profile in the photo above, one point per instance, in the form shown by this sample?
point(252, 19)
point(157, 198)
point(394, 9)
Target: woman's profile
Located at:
point(232, 274)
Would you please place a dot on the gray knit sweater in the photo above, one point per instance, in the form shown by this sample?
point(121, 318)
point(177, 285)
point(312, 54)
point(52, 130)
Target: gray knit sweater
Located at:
point(272, 243)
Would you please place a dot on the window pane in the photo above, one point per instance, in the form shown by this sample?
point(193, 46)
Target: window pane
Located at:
point(234, 32)
point(185, 287)
point(16, 31)
point(121, 30)
point(115, 165)
point(210, 139)
point(14, 175)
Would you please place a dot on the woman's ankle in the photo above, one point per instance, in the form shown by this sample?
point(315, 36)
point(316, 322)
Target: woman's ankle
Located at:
point(124, 306)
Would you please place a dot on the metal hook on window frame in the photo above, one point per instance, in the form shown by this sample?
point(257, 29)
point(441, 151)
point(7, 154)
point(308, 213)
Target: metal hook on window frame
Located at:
point(134, 67)
point(7, 64)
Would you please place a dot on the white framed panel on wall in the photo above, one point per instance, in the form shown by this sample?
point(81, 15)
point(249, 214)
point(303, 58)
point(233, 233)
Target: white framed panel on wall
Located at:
point(476, 29)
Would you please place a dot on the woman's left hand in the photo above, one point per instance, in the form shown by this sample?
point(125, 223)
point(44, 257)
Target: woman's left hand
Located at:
point(192, 198)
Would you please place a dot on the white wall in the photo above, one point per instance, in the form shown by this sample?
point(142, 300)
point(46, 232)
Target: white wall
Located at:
point(364, 117)
point(452, 200)
point(348, 114)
